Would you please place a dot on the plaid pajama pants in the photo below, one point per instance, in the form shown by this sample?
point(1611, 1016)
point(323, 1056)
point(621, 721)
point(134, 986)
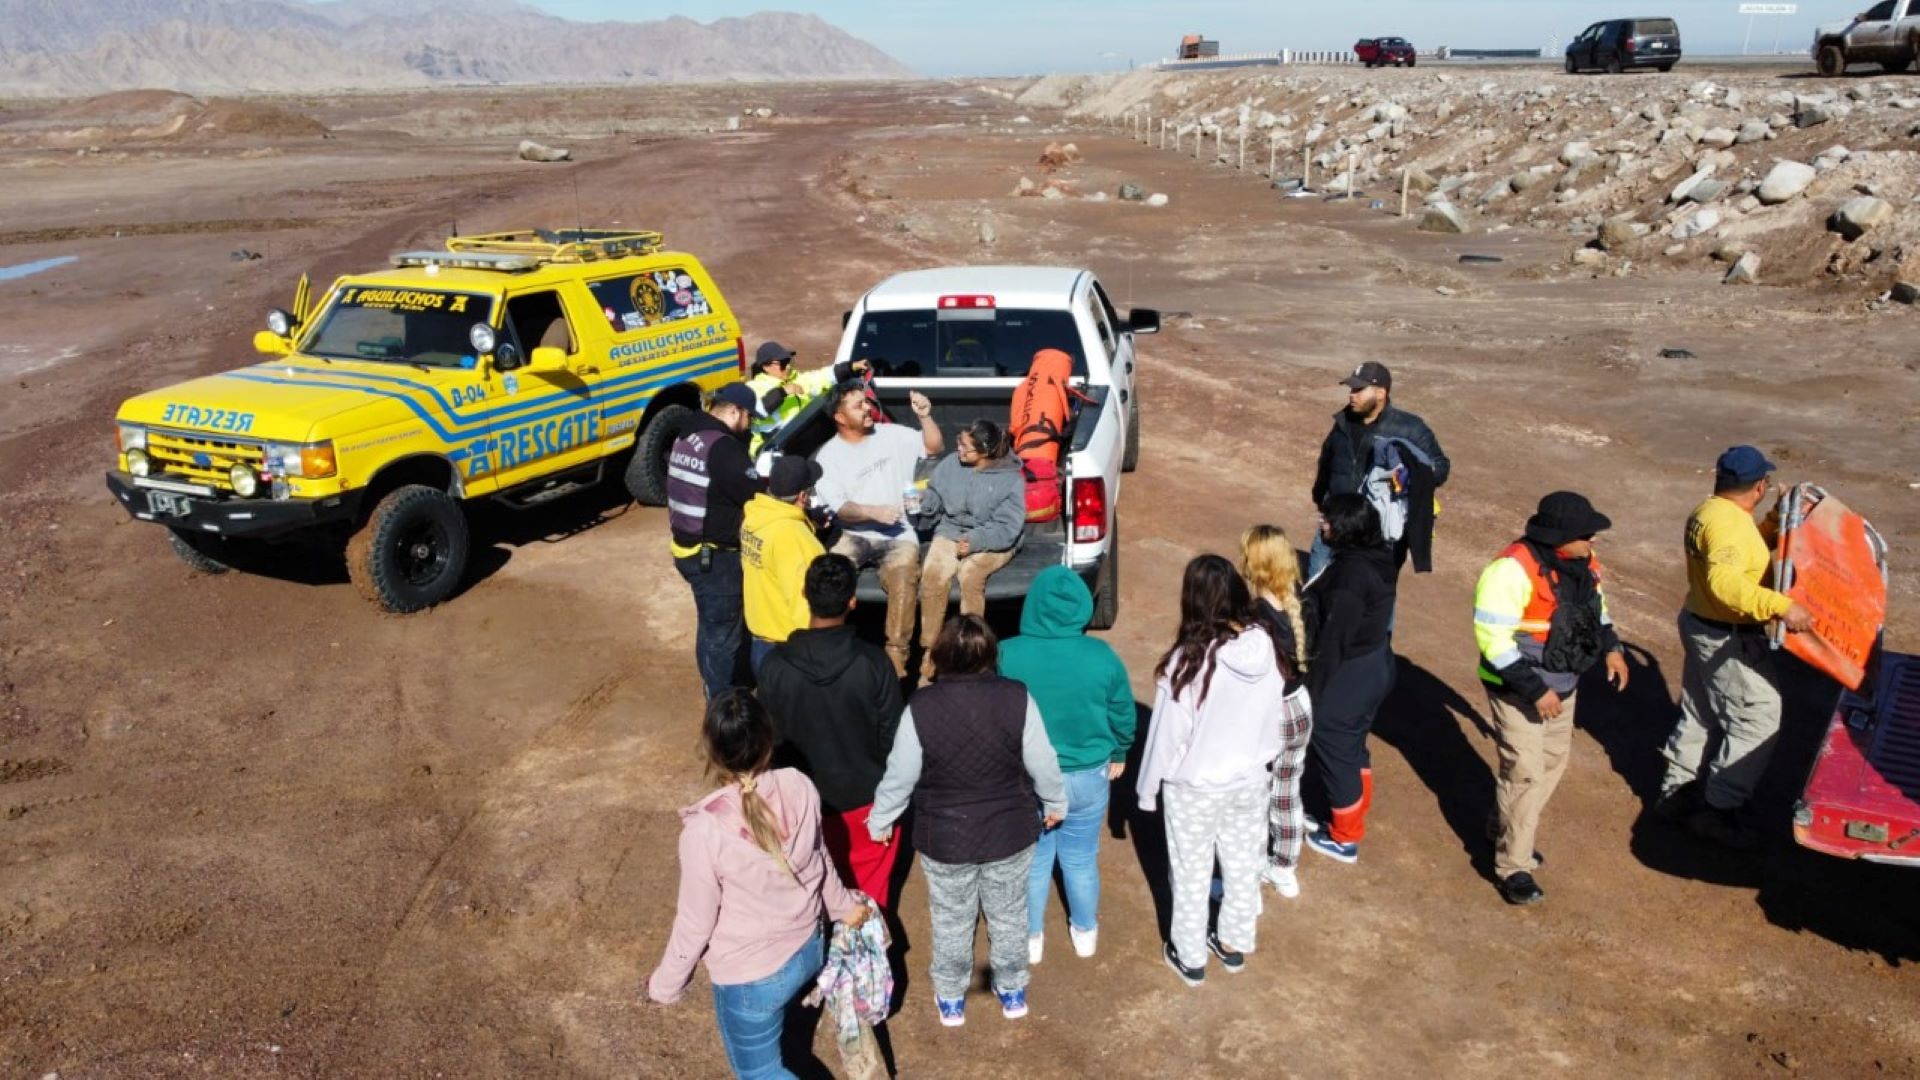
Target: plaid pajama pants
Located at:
point(1286, 821)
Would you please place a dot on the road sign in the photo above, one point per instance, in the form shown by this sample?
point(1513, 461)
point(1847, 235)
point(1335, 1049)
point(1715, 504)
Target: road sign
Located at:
point(1769, 9)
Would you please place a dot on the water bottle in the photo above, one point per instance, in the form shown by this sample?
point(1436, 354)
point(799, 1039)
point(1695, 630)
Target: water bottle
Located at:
point(910, 499)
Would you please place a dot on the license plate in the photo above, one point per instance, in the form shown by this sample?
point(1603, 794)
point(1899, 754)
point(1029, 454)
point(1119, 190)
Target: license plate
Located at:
point(1659, 45)
point(166, 502)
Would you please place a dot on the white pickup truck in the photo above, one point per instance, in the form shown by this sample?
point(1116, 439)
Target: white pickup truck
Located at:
point(1888, 34)
point(965, 336)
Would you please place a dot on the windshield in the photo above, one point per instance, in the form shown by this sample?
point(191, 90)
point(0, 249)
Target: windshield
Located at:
point(919, 344)
point(408, 326)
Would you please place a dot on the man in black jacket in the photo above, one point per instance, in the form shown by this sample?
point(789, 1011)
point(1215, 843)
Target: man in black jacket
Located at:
point(835, 703)
point(709, 480)
point(1347, 454)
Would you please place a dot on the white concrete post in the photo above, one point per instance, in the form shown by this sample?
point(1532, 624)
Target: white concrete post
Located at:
point(1243, 150)
point(1353, 163)
point(1176, 140)
point(1306, 169)
point(1406, 176)
point(1273, 156)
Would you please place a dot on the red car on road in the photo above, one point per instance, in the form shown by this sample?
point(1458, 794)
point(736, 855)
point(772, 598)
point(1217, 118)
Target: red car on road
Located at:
point(1379, 52)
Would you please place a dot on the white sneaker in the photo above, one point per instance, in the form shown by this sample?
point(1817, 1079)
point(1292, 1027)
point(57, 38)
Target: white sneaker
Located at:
point(1284, 879)
point(1084, 941)
point(1036, 946)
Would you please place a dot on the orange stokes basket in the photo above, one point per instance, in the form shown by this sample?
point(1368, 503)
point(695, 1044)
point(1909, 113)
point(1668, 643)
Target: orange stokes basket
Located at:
point(1833, 562)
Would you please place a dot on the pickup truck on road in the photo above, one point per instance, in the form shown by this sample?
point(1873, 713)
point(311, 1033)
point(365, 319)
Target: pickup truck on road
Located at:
point(965, 337)
point(1380, 52)
point(1888, 34)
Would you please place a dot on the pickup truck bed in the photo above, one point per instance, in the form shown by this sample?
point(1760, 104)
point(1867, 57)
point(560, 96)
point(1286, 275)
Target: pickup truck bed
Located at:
point(1862, 799)
point(1044, 543)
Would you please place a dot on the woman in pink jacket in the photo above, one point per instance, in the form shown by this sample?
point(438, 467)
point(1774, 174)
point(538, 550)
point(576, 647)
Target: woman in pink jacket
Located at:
point(754, 881)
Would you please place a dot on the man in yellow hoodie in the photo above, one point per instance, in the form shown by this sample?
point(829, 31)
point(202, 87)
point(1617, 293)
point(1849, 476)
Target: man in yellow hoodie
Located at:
point(777, 544)
point(1729, 697)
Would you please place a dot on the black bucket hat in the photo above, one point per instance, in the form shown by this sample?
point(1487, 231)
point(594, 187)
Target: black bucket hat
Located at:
point(1565, 516)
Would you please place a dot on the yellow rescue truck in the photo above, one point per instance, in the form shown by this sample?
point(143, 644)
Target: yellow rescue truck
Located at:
point(516, 366)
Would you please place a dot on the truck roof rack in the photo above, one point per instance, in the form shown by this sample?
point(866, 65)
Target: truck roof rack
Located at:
point(560, 246)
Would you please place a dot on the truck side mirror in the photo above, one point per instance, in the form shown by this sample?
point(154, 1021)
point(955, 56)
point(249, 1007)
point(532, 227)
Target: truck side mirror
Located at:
point(506, 356)
point(547, 358)
point(1143, 321)
point(845, 318)
point(268, 343)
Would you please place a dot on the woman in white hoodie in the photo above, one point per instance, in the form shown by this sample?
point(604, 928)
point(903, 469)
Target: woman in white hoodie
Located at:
point(1217, 707)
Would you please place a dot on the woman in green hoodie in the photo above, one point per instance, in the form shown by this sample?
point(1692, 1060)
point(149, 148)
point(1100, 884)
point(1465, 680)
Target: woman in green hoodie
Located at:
point(1086, 703)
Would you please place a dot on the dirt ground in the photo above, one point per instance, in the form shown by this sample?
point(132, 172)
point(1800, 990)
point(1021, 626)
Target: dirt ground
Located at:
point(253, 828)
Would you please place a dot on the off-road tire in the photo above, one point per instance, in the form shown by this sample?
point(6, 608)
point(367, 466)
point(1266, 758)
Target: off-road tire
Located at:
point(1832, 61)
point(204, 553)
point(1664, 68)
point(1130, 458)
point(412, 551)
point(1413, 61)
point(1614, 65)
point(1106, 586)
point(647, 470)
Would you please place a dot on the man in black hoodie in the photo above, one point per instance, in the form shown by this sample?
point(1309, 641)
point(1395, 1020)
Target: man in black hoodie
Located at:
point(835, 702)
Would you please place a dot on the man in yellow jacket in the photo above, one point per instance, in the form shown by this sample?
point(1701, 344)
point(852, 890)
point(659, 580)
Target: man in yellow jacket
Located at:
point(777, 544)
point(1540, 619)
point(1729, 697)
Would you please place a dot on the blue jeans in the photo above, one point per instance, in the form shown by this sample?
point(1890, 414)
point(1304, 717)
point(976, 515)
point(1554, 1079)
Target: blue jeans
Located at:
point(754, 1015)
point(721, 627)
point(1076, 843)
point(757, 652)
point(1318, 556)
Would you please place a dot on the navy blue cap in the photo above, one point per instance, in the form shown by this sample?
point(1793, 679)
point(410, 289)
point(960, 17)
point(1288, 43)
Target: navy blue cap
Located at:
point(737, 394)
point(1742, 465)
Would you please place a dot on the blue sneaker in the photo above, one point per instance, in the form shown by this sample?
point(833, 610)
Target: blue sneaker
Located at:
point(1013, 1003)
point(1326, 845)
point(952, 1013)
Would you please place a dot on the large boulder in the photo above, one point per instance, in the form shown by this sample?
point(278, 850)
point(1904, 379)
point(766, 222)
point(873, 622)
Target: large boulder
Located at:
point(533, 151)
point(1719, 138)
point(1905, 292)
point(1574, 153)
point(1753, 131)
point(1707, 190)
point(1704, 221)
point(1444, 218)
point(1859, 215)
point(1788, 179)
point(1686, 187)
point(1617, 233)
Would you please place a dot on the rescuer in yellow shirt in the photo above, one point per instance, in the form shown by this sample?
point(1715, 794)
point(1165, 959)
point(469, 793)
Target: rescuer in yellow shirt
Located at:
point(1729, 696)
point(777, 544)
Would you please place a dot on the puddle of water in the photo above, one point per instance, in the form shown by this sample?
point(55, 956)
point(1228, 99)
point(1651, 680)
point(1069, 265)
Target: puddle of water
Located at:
point(16, 272)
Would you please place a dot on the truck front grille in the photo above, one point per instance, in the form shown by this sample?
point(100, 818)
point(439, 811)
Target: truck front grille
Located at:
point(203, 459)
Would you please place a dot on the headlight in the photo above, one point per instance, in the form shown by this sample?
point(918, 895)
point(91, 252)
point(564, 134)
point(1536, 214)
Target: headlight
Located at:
point(311, 461)
point(131, 437)
point(138, 463)
point(482, 338)
point(246, 482)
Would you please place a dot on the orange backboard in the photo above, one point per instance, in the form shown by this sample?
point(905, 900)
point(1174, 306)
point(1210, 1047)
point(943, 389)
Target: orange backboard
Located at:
point(1831, 561)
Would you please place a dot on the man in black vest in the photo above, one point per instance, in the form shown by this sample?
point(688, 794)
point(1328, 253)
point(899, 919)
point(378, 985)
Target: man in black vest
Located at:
point(709, 479)
point(1346, 455)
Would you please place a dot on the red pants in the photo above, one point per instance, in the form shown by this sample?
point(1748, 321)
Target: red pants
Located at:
point(869, 866)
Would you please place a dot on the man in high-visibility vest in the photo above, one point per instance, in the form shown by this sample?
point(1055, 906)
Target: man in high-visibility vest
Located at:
point(1540, 619)
point(780, 392)
point(1729, 697)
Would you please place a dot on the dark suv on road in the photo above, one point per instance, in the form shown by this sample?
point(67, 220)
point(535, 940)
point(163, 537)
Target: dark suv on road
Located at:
point(1618, 44)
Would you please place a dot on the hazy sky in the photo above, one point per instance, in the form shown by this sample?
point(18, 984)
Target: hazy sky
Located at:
point(990, 37)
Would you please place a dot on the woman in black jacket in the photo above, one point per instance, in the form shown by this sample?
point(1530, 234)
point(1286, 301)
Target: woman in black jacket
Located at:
point(1352, 669)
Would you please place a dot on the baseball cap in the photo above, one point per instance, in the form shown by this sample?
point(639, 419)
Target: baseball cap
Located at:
point(737, 394)
point(1742, 465)
point(1371, 373)
point(770, 352)
point(791, 475)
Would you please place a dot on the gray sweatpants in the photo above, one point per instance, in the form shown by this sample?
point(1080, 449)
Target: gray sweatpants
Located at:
point(957, 895)
point(1729, 713)
point(1202, 826)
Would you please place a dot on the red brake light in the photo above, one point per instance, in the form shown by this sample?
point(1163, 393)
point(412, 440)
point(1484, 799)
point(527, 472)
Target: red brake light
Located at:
point(966, 302)
point(1631, 45)
point(1089, 510)
point(740, 346)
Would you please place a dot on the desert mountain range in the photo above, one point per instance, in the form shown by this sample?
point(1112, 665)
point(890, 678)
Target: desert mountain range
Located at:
point(79, 47)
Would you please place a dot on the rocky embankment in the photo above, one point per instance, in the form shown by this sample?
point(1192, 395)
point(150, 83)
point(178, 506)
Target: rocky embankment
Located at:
point(1761, 178)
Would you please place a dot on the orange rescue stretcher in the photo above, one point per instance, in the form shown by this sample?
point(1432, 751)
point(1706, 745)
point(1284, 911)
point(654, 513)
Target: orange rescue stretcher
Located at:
point(1862, 797)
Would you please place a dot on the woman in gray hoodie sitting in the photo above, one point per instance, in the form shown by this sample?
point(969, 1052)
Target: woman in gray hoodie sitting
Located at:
point(977, 499)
